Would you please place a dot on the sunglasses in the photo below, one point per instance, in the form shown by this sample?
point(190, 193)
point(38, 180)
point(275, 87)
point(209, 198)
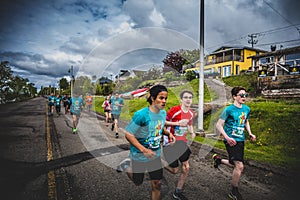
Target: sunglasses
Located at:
point(243, 95)
point(185, 97)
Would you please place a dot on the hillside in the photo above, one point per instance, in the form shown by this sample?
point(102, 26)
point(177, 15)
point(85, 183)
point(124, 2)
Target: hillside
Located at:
point(275, 122)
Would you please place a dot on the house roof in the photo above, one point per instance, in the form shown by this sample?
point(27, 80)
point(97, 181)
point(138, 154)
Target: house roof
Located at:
point(103, 80)
point(278, 52)
point(227, 48)
point(123, 73)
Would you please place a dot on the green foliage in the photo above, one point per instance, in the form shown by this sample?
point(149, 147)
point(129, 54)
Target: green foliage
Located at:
point(248, 81)
point(14, 88)
point(191, 56)
point(190, 75)
point(170, 76)
point(64, 84)
point(87, 86)
point(276, 125)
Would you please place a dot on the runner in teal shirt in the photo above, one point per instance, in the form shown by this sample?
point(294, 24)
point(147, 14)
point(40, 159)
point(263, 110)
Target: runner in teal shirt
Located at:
point(232, 123)
point(235, 119)
point(144, 134)
point(147, 127)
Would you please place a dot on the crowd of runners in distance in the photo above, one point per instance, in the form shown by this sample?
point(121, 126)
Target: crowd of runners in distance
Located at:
point(73, 105)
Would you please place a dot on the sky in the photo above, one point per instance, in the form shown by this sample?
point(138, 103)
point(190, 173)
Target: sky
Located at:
point(43, 39)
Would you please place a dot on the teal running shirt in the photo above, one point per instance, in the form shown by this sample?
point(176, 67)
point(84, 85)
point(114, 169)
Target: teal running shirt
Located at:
point(116, 110)
point(235, 119)
point(147, 127)
point(76, 104)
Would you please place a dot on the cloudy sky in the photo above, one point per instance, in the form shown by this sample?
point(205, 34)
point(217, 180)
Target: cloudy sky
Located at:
point(42, 39)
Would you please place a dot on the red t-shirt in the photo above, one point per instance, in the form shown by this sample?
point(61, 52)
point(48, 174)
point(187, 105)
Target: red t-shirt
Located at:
point(176, 114)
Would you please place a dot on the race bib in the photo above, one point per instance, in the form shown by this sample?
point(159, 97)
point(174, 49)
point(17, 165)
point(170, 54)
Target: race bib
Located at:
point(154, 142)
point(180, 131)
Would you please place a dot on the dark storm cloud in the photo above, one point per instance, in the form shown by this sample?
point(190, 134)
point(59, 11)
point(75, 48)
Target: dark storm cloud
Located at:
point(290, 10)
point(33, 64)
point(45, 38)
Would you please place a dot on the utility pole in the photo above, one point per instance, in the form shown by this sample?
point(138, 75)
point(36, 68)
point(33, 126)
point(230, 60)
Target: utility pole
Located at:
point(252, 39)
point(71, 71)
point(201, 70)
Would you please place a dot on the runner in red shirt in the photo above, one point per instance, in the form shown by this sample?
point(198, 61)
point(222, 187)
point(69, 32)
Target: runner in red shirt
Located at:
point(180, 119)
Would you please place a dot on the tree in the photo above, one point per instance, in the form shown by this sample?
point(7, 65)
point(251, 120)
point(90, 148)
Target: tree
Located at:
point(6, 77)
point(153, 73)
point(191, 56)
point(87, 86)
point(97, 89)
point(79, 83)
point(190, 75)
point(64, 84)
point(175, 61)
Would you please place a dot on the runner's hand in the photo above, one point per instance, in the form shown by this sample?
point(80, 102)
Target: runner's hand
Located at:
point(149, 153)
point(172, 139)
point(231, 141)
point(183, 122)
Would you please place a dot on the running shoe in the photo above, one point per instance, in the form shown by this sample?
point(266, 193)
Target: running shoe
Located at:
point(178, 195)
point(235, 195)
point(216, 160)
point(112, 127)
point(123, 165)
point(117, 135)
point(74, 130)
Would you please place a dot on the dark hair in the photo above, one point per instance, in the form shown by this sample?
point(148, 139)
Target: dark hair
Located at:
point(236, 90)
point(185, 91)
point(154, 91)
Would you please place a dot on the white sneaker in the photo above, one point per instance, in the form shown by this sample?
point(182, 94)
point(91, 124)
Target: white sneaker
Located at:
point(123, 165)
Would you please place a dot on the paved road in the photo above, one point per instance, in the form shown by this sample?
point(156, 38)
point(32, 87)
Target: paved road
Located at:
point(42, 159)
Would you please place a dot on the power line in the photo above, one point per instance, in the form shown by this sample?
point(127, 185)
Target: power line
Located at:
point(257, 34)
point(288, 21)
point(281, 42)
point(278, 29)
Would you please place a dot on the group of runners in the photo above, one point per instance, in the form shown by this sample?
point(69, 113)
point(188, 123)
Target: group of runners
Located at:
point(161, 140)
point(112, 106)
point(54, 103)
point(72, 105)
point(152, 126)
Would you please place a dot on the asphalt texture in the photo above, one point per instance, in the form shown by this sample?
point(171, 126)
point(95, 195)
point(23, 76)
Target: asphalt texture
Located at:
point(42, 159)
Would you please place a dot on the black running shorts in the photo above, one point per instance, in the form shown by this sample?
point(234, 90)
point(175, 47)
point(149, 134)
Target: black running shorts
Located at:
point(235, 152)
point(153, 167)
point(177, 152)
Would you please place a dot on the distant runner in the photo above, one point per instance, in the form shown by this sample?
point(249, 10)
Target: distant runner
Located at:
point(76, 105)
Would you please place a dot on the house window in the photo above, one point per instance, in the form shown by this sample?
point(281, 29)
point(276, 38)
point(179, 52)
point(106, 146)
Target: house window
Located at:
point(238, 55)
point(226, 71)
point(293, 59)
point(266, 60)
point(237, 69)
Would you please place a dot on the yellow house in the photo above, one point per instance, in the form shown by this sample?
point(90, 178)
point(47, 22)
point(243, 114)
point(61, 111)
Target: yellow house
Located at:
point(228, 61)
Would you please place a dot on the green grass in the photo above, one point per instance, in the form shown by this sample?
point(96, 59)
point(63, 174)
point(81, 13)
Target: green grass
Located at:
point(276, 125)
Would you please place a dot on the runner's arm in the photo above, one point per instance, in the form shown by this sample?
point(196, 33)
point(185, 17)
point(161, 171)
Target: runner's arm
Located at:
point(133, 141)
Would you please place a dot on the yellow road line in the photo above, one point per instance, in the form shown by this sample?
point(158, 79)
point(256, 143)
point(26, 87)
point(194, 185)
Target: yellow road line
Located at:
point(51, 175)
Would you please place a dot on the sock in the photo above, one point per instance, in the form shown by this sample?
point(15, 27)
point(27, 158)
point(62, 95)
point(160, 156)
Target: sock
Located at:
point(177, 190)
point(234, 189)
